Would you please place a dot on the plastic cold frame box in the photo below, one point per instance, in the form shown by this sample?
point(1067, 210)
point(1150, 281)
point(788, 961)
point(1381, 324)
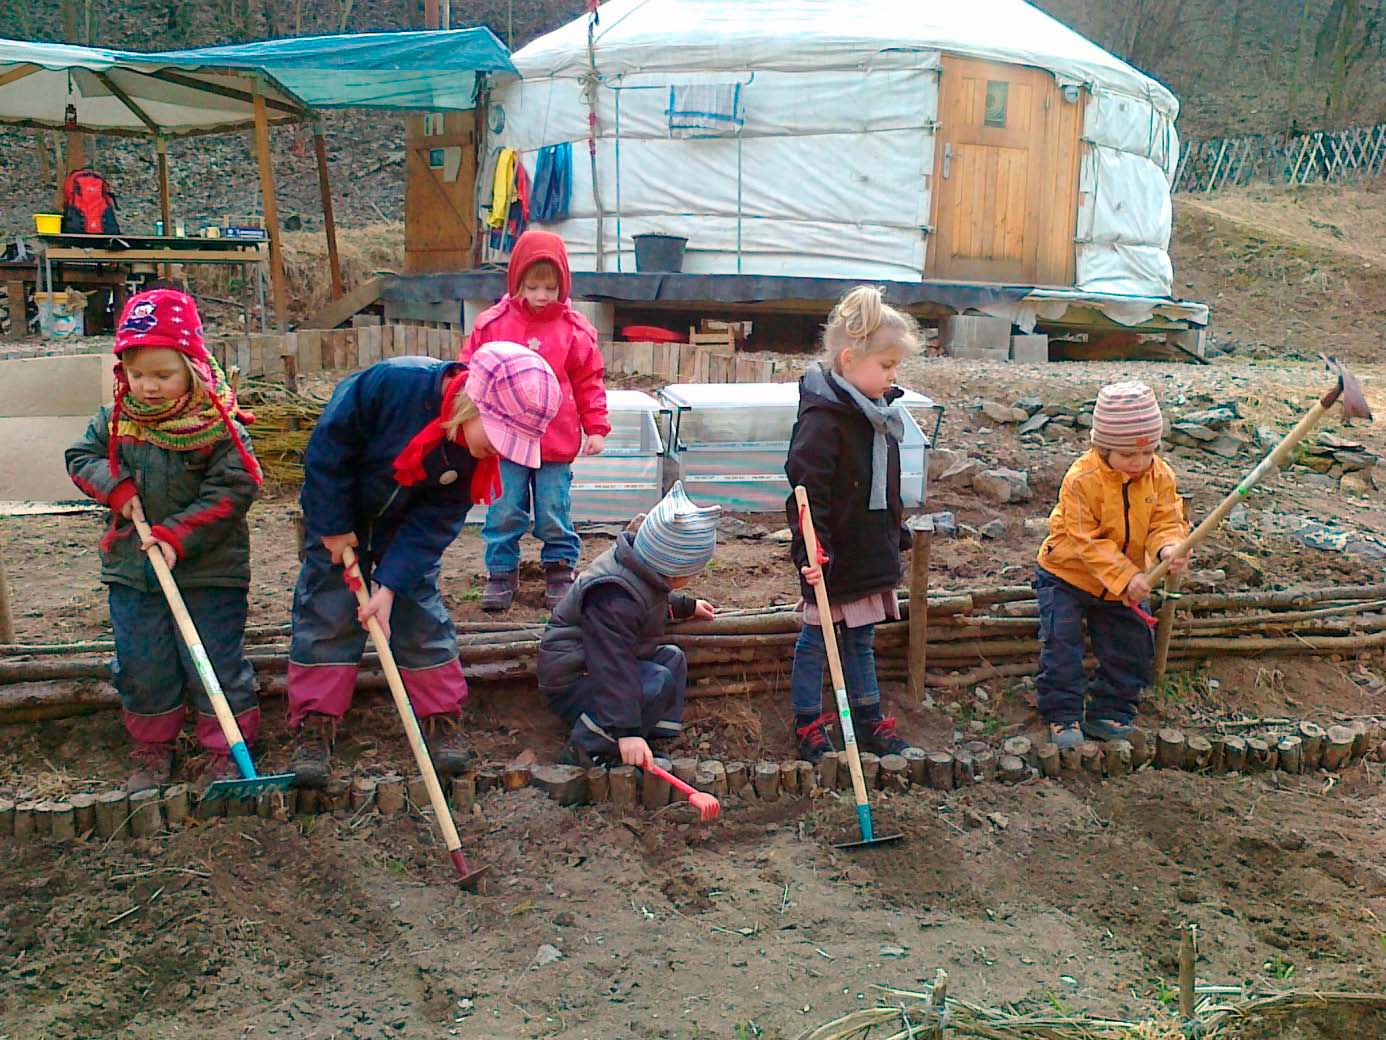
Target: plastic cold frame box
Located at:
point(728, 443)
point(627, 478)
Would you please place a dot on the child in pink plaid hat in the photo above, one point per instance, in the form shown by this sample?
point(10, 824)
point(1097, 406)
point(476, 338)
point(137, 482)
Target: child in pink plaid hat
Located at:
point(398, 457)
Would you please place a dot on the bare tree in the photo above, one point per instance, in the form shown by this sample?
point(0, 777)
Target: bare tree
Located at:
point(1349, 40)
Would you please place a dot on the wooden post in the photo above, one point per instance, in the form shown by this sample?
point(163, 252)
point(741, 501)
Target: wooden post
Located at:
point(567, 785)
point(655, 790)
point(1169, 749)
point(598, 784)
point(921, 536)
point(271, 206)
point(766, 780)
point(329, 222)
point(939, 770)
point(165, 205)
point(1165, 629)
point(6, 619)
point(1187, 955)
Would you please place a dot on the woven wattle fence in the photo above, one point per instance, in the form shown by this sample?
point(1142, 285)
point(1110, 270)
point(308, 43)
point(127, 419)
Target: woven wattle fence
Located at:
point(1322, 157)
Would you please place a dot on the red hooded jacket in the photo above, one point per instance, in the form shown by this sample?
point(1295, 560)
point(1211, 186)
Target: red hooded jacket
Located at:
point(561, 336)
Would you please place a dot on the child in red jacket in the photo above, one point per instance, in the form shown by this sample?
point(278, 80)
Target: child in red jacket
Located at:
point(537, 313)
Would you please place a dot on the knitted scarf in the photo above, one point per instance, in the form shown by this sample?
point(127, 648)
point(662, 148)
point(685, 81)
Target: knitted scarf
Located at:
point(887, 420)
point(199, 419)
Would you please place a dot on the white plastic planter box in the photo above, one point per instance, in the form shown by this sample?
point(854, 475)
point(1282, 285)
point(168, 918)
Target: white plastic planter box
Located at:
point(728, 443)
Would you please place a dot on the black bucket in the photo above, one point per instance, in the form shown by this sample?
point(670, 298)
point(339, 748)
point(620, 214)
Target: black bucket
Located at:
point(659, 253)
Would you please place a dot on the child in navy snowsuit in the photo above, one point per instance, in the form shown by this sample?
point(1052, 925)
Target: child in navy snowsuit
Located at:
point(399, 455)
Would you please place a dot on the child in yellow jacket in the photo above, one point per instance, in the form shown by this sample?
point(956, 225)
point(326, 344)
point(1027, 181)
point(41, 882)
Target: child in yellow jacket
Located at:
point(1118, 513)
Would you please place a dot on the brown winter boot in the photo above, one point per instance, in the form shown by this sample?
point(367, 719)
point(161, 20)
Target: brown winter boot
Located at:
point(311, 759)
point(558, 579)
point(153, 766)
point(499, 592)
point(443, 735)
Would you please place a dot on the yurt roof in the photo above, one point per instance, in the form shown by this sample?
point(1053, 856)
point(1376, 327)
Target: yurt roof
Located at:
point(700, 36)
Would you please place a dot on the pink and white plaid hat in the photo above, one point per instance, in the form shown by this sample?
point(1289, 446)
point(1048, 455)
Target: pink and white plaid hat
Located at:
point(517, 395)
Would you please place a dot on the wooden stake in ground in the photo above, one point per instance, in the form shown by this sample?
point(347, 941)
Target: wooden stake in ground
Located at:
point(921, 537)
point(1165, 629)
point(6, 620)
point(1188, 953)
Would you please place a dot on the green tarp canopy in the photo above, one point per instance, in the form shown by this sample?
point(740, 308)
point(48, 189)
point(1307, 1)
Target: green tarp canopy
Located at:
point(183, 93)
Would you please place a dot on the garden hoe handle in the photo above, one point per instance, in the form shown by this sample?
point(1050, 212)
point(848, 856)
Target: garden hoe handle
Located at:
point(235, 742)
point(1347, 390)
point(357, 584)
point(844, 711)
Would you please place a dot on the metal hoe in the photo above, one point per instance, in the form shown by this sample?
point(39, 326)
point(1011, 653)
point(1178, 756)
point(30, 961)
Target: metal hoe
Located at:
point(468, 876)
point(251, 783)
point(1347, 391)
point(869, 839)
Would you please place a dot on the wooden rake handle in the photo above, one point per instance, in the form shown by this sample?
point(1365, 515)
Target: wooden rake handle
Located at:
point(1264, 468)
point(406, 711)
point(825, 616)
point(201, 662)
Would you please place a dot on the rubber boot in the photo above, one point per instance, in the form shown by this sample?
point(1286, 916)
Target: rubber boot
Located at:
point(558, 579)
point(311, 759)
point(153, 766)
point(443, 735)
point(499, 592)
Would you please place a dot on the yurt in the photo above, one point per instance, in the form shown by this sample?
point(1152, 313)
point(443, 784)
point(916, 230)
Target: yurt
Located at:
point(899, 140)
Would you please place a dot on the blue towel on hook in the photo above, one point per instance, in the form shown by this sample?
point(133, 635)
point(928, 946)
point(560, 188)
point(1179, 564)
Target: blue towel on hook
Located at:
point(553, 182)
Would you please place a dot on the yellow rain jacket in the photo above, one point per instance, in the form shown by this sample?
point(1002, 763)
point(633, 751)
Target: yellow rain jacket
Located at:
point(1107, 528)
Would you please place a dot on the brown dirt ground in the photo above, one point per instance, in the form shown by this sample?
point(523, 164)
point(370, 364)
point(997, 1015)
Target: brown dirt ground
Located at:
point(754, 926)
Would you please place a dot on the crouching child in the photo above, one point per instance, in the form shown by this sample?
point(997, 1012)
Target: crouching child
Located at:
point(602, 663)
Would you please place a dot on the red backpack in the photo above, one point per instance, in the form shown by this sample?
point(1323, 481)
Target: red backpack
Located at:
point(88, 205)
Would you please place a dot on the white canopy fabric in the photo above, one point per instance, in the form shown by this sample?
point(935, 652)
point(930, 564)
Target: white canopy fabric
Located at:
point(831, 110)
point(122, 93)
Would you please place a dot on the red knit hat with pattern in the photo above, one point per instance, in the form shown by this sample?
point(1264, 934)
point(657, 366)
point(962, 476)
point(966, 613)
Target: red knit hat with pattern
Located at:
point(1127, 418)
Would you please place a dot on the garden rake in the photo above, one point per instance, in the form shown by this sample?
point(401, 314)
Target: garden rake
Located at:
point(844, 710)
point(356, 581)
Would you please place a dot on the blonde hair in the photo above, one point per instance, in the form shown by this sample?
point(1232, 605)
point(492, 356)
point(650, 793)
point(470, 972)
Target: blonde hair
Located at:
point(463, 409)
point(863, 322)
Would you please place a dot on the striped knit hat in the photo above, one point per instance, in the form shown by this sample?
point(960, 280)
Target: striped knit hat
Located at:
point(678, 537)
point(1127, 418)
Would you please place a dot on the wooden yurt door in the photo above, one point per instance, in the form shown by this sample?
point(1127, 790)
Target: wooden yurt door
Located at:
point(439, 191)
point(1005, 186)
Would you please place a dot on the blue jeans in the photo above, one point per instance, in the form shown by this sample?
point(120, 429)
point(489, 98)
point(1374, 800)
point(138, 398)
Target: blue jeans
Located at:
point(663, 680)
point(548, 490)
point(857, 649)
point(1123, 644)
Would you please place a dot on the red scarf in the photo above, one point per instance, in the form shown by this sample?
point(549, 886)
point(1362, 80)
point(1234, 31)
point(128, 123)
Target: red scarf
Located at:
point(409, 468)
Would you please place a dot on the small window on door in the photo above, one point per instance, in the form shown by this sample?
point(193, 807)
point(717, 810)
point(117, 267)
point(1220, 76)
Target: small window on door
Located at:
point(995, 114)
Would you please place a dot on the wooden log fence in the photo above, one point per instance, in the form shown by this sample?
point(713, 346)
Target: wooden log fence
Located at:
point(969, 640)
point(1320, 157)
point(113, 815)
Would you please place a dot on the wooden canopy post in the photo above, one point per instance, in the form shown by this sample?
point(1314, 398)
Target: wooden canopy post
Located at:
point(165, 210)
point(329, 222)
point(921, 537)
point(271, 207)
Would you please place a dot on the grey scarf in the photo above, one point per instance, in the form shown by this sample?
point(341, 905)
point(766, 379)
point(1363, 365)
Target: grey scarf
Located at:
point(888, 420)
